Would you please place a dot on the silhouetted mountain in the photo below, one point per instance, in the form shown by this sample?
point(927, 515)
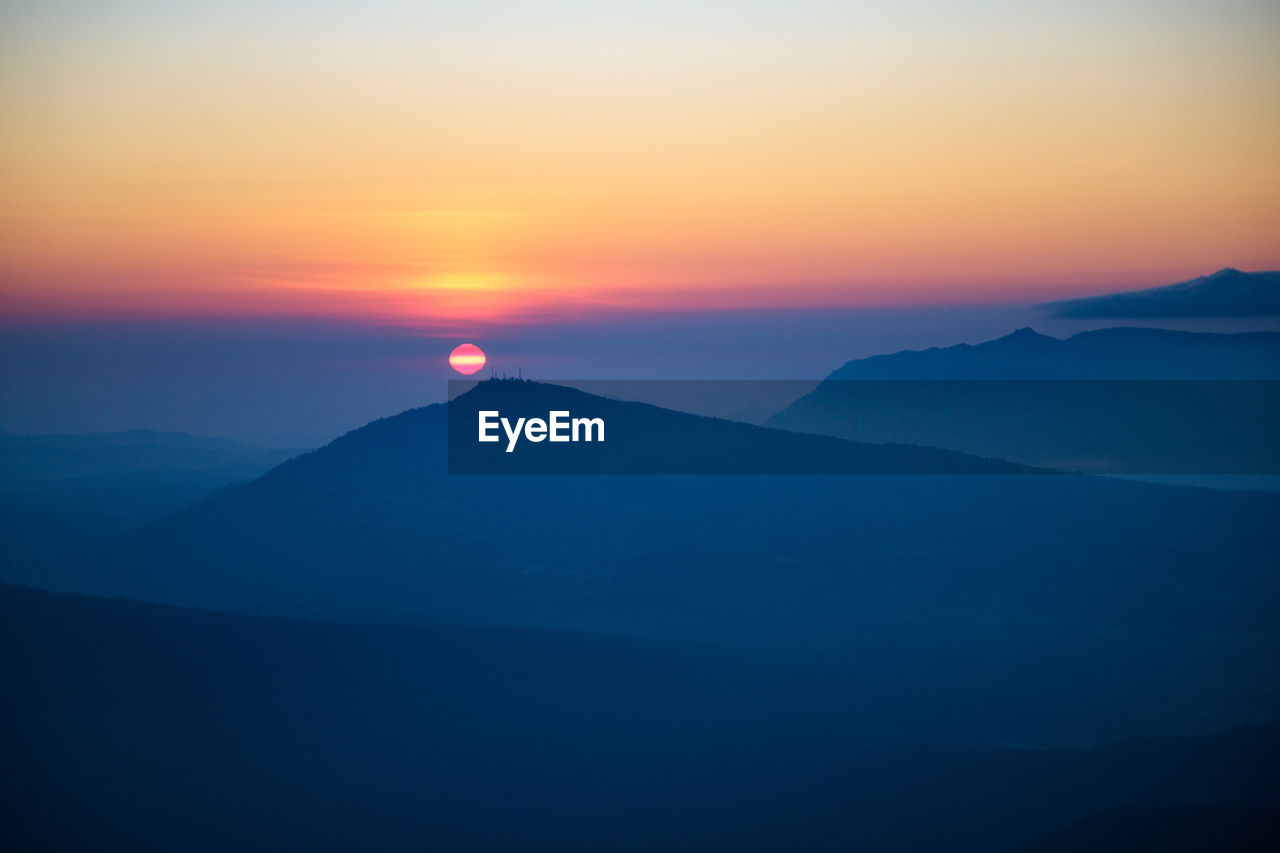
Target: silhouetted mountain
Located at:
point(138, 727)
point(1225, 293)
point(1120, 353)
point(1037, 400)
point(62, 493)
point(1039, 609)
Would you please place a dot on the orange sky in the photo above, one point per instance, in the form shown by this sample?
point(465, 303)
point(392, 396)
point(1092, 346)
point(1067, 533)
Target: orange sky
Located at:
point(418, 161)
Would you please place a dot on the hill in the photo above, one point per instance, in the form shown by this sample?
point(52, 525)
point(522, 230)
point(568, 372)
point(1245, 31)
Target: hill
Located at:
point(1041, 609)
point(85, 459)
point(140, 727)
point(63, 492)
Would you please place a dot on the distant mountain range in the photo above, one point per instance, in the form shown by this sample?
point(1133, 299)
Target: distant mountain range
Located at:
point(148, 728)
point(1225, 293)
point(908, 580)
point(1118, 353)
point(1038, 400)
point(138, 455)
point(63, 492)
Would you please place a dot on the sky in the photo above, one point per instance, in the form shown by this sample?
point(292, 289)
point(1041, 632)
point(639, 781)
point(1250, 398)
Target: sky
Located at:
point(463, 167)
point(272, 221)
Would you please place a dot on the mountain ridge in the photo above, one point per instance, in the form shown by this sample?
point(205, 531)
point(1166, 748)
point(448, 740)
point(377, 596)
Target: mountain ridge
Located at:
point(1127, 352)
point(1121, 400)
point(893, 576)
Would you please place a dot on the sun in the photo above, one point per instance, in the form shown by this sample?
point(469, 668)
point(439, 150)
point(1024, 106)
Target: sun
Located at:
point(467, 359)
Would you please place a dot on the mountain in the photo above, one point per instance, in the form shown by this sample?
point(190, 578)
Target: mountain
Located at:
point(141, 727)
point(1032, 609)
point(1119, 353)
point(1225, 293)
point(1099, 402)
point(89, 460)
point(64, 492)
